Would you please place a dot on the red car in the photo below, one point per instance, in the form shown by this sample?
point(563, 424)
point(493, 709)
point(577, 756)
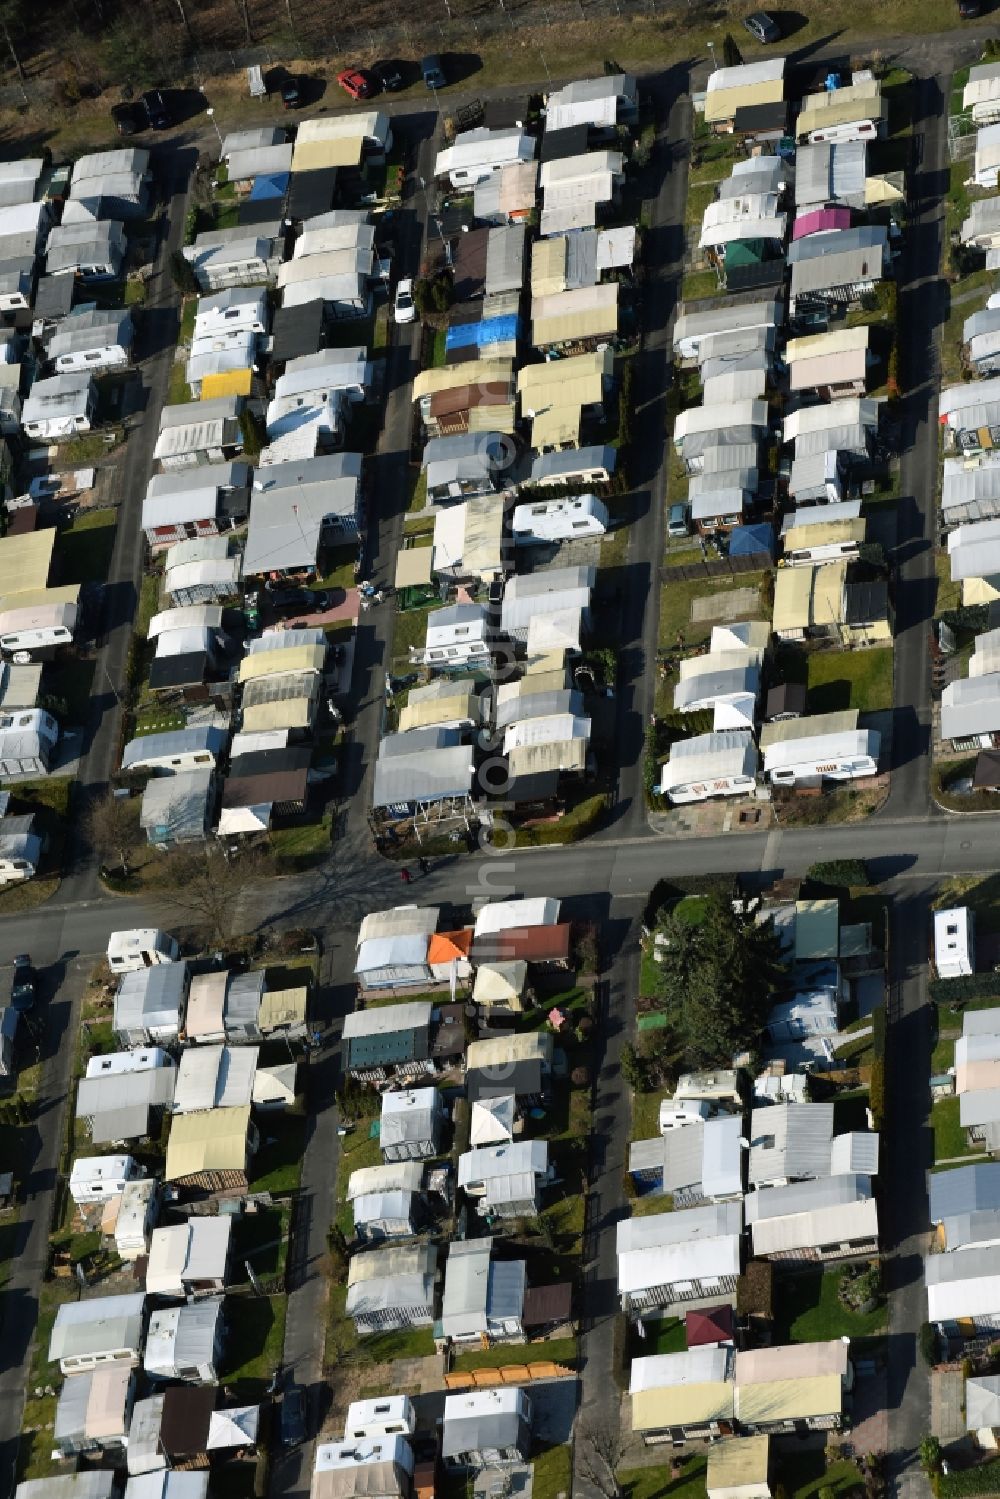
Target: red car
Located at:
point(355, 82)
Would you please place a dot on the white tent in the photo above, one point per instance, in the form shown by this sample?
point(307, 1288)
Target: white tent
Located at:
point(492, 1121)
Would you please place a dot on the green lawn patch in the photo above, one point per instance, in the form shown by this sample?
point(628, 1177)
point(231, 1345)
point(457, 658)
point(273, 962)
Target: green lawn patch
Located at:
point(86, 545)
point(439, 351)
point(261, 1238)
point(552, 1474)
point(159, 721)
point(35, 1455)
point(646, 1114)
point(804, 1474)
point(338, 568)
point(135, 292)
point(808, 1310)
point(698, 285)
point(656, 1483)
point(277, 1166)
point(948, 595)
point(255, 1338)
point(88, 448)
point(850, 679)
point(666, 1335)
point(676, 598)
point(949, 1136)
point(700, 195)
point(300, 846)
point(649, 971)
point(559, 1350)
point(409, 629)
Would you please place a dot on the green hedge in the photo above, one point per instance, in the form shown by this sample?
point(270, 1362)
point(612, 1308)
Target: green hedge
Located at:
point(876, 1088)
point(840, 873)
point(961, 990)
point(982, 1480)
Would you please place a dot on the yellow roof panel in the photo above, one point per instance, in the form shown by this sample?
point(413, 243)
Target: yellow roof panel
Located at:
point(317, 155)
point(722, 104)
point(460, 704)
point(475, 372)
point(793, 1399)
point(287, 713)
point(548, 266)
point(980, 590)
point(281, 1007)
point(215, 1140)
point(25, 561)
point(556, 427)
point(792, 597)
point(275, 663)
point(676, 1405)
point(824, 535)
point(227, 383)
point(413, 566)
point(738, 1462)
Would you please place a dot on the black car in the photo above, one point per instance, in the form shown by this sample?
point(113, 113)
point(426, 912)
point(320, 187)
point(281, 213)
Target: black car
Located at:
point(389, 76)
point(969, 10)
point(298, 600)
point(129, 118)
point(156, 109)
point(293, 1416)
point(291, 93)
point(23, 983)
point(763, 26)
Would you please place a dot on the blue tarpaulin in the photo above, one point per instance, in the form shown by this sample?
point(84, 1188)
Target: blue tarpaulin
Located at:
point(493, 330)
point(751, 541)
point(269, 185)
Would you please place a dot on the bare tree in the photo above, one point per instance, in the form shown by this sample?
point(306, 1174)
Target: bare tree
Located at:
point(111, 827)
point(243, 10)
point(600, 1448)
point(10, 19)
point(205, 883)
point(184, 17)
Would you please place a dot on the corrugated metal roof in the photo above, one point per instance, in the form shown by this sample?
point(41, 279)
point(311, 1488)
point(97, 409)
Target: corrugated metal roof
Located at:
point(966, 1189)
point(790, 1141)
point(963, 1285)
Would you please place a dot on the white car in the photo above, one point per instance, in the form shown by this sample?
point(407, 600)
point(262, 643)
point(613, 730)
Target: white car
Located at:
point(404, 310)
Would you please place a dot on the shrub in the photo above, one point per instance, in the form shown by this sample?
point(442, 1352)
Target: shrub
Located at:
point(961, 990)
point(927, 1340)
point(840, 873)
point(183, 276)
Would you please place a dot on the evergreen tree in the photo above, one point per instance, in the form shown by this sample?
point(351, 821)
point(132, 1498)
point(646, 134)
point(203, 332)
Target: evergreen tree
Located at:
point(718, 978)
point(732, 57)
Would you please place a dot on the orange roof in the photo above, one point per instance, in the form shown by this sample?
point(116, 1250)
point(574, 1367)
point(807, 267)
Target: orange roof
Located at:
point(444, 946)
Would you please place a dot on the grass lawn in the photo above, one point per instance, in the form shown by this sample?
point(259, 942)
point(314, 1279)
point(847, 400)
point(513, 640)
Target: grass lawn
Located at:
point(948, 595)
point(943, 1055)
point(159, 721)
point(699, 284)
point(357, 1150)
point(35, 1456)
point(409, 628)
point(807, 1310)
point(966, 296)
point(804, 1474)
point(338, 565)
point(178, 390)
point(700, 195)
point(656, 1483)
point(255, 1337)
point(135, 293)
point(86, 545)
point(261, 1238)
point(552, 1474)
point(149, 602)
point(559, 1350)
point(676, 598)
point(646, 1114)
point(564, 1217)
point(850, 679)
point(277, 1166)
point(949, 1136)
point(667, 1335)
point(343, 1346)
point(87, 448)
point(308, 842)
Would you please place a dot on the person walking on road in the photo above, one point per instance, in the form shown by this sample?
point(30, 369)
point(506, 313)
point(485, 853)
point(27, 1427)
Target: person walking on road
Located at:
point(405, 876)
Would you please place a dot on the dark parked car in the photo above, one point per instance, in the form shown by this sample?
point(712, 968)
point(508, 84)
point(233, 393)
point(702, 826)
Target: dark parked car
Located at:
point(23, 983)
point(433, 71)
point(291, 93)
point(129, 118)
point(298, 600)
point(969, 10)
point(156, 109)
point(389, 76)
point(763, 26)
point(293, 1416)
